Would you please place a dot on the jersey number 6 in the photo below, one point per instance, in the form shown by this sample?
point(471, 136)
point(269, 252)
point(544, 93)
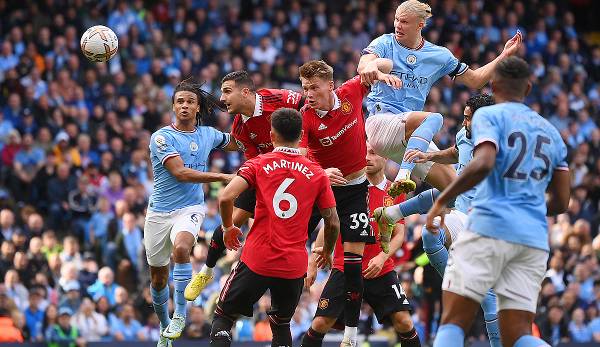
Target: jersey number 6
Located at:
point(281, 195)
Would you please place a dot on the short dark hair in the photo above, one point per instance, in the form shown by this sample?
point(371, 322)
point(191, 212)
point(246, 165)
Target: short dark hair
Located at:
point(287, 122)
point(316, 68)
point(241, 78)
point(479, 100)
point(206, 101)
point(512, 75)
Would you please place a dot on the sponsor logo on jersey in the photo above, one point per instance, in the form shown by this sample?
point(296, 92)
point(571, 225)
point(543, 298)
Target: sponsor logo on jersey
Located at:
point(322, 126)
point(346, 107)
point(411, 59)
point(328, 141)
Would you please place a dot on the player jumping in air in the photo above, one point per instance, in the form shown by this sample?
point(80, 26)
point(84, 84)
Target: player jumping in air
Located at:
point(436, 243)
point(251, 127)
point(274, 255)
point(179, 154)
point(382, 289)
point(519, 157)
point(334, 137)
point(396, 122)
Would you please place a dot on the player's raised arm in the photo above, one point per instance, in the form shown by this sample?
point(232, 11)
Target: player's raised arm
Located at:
point(181, 173)
point(478, 78)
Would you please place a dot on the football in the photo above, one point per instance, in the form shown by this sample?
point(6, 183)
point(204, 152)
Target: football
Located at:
point(99, 43)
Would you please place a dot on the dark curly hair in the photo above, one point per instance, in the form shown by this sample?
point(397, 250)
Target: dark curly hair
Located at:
point(206, 101)
point(479, 100)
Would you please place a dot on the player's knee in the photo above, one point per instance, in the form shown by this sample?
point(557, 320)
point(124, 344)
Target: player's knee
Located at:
point(181, 251)
point(402, 322)
point(323, 324)
point(432, 241)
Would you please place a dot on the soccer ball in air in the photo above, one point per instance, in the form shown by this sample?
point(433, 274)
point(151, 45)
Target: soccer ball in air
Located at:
point(99, 43)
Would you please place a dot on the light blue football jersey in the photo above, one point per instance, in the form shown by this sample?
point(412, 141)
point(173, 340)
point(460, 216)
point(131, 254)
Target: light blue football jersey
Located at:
point(193, 147)
point(465, 154)
point(510, 203)
point(419, 69)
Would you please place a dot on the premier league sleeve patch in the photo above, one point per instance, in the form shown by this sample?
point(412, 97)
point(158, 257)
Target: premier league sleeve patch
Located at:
point(161, 143)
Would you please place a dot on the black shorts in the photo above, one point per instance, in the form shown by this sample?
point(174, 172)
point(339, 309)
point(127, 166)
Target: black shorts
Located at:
point(384, 294)
point(247, 200)
point(244, 288)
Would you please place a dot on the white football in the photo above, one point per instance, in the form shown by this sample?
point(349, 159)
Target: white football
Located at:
point(99, 43)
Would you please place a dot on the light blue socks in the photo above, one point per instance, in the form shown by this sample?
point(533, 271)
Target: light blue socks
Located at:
point(182, 274)
point(160, 302)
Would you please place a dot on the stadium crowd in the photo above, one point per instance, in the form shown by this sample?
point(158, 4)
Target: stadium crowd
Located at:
point(75, 173)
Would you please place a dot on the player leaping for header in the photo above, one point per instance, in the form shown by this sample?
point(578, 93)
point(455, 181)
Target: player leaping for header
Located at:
point(435, 243)
point(396, 122)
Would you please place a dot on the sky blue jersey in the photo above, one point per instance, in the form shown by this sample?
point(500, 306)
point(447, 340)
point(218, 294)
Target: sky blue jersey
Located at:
point(418, 69)
point(465, 154)
point(193, 147)
point(510, 203)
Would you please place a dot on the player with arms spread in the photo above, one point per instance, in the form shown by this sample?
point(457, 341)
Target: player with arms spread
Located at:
point(435, 243)
point(179, 154)
point(274, 255)
point(383, 290)
point(396, 122)
point(251, 127)
point(334, 137)
point(518, 158)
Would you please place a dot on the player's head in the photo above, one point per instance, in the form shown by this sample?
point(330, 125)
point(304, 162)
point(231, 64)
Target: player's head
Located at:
point(286, 127)
point(473, 104)
point(190, 102)
point(511, 79)
point(237, 88)
point(410, 18)
point(317, 83)
point(375, 163)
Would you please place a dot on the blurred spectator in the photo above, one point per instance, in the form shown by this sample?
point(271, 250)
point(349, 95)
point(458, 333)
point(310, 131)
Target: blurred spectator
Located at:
point(126, 327)
point(92, 325)
point(64, 332)
point(198, 328)
point(104, 286)
point(9, 332)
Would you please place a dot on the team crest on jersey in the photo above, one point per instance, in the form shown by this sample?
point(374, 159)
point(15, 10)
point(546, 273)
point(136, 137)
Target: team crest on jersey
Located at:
point(193, 146)
point(160, 142)
point(388, 201)
point(323, 304)
point(346, 107)
point(411, 59)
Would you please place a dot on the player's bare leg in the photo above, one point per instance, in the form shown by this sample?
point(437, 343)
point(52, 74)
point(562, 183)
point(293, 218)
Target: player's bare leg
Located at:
point(353, 287)
point(215, 252)
point(182, 274)
point(159, 288)
point(420, 127)
point(516, 325)
point(457, 317)
point(405, 329)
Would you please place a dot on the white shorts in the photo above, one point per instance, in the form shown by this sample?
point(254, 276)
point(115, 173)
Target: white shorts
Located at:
point(385, 134)
point(478, 263)
point(455, 222)
point(161, 228)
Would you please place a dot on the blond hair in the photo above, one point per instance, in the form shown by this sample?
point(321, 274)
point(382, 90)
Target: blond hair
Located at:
point(316, 68)
point(420, 9)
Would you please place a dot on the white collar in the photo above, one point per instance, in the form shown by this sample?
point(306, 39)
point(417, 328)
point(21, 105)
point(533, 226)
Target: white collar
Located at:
point(257, 108)
point(287, 150)
point(336, 105)
point(381, 185)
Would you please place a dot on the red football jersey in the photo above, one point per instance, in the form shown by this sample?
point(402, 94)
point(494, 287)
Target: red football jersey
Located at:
point(252, 133)
point(378, 197)
point(287, 187)
point(338, 139)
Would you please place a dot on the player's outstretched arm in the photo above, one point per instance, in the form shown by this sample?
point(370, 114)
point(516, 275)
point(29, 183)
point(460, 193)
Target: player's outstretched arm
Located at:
point(370, 66)
point(226, 199)
point(478, 78)
point(559, 193)
point(187, 175)
point(376, 264)
point(484, 158)
point(445, 156)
